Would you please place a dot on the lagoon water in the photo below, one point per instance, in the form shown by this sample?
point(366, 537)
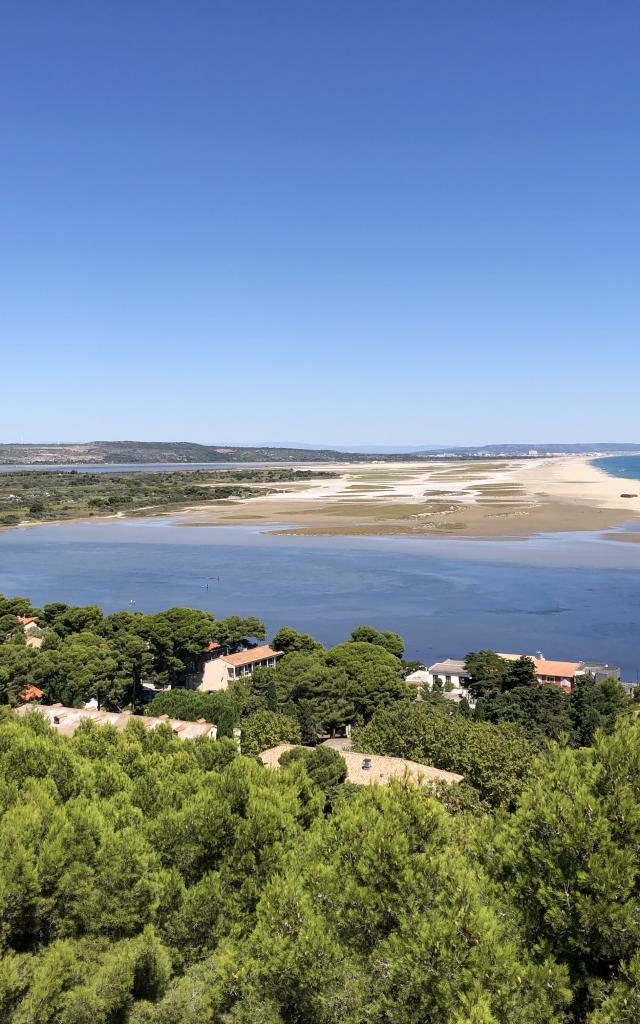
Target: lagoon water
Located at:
point(571, 596)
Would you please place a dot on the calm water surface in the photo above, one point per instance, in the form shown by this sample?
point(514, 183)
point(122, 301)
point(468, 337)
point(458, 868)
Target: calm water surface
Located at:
point(571, 596)
point(621, 465)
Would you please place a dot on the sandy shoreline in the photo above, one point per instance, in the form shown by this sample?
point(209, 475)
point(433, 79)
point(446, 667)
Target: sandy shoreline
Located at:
point(475, 498)
point(488, 498)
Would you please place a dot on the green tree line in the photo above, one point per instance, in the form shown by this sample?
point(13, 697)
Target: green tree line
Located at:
point(145, 880)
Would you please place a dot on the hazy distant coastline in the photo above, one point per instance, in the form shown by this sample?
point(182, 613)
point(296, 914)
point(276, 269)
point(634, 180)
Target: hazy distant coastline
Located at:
point(187, 452)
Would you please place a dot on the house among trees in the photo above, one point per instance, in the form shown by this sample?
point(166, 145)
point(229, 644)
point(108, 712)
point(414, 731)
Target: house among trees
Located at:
point(560, 673)
point(452, 675)
point(33, 633)
point(219, 671)
point(564, 673)
point(28, 622)
point(449, 675)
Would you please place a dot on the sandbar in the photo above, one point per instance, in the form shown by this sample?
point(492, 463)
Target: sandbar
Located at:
point(475, 498)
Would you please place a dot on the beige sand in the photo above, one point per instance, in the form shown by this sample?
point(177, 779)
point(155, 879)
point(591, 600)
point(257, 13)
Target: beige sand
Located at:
point(472, 498)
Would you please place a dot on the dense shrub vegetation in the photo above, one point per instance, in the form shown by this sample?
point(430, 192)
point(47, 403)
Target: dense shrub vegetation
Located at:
point(63, 495)
point(146, 880)
point(497, 759)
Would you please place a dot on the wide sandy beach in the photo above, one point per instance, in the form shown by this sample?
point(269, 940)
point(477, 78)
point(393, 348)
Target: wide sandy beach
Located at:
point(472, 498)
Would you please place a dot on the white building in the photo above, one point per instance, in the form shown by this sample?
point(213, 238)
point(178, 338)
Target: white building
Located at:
point(450, 674)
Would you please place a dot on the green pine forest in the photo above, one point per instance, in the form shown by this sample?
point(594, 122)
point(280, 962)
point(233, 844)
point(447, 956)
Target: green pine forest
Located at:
point(149, 880)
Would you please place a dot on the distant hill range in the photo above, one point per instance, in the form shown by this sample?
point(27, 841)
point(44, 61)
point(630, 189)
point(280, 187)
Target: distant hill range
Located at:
point(186, 452)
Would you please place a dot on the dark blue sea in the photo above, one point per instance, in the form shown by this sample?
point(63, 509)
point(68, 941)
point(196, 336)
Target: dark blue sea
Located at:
point(572, 596)
point(620, 465)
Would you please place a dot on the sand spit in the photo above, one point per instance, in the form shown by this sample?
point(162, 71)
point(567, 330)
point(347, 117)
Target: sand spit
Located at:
point(474, 498)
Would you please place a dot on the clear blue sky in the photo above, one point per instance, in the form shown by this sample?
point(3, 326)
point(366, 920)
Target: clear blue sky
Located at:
point(356, 222)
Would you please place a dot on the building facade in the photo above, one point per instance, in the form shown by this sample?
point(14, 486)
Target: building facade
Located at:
point(219, 672)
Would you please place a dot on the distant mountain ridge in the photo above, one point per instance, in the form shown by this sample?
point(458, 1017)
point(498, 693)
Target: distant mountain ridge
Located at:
point(187, 452)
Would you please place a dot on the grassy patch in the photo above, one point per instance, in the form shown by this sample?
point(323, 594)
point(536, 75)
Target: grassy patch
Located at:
point(377, 510)
point(371, 530)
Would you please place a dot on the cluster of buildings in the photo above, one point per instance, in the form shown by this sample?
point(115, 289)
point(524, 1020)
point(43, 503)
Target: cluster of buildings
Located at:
point(452, 675)
point(66, 720)
point(221, 667)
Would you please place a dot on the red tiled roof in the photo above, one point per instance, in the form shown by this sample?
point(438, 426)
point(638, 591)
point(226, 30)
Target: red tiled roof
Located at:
point(561, 669)
point(26, 620)
point(213, 646)
point(249, 657)
point(31, 693)
point(545, 667)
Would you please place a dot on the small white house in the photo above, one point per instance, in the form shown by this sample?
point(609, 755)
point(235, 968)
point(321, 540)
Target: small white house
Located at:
point(450, 674)
point(451, 670)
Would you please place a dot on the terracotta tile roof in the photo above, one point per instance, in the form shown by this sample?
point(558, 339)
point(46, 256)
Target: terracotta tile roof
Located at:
point(26, 620)
point(213, 646)
point(31, 693)
point(563, 669)
point(548, 667)
point(251, 656)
